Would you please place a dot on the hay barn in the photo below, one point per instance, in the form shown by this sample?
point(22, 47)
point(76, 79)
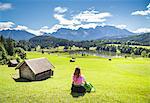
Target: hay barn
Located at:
point(12, 63)
point(35, 69)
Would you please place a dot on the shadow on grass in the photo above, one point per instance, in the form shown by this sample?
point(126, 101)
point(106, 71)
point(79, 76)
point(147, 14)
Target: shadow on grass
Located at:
point(21, 80)
point(76, 95)
point(27, 80)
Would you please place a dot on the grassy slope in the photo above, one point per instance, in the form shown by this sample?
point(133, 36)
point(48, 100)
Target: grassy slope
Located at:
point(120, 80)
point(142, 38)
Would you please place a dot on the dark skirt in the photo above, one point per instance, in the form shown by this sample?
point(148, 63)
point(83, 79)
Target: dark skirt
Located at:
point(78, 89)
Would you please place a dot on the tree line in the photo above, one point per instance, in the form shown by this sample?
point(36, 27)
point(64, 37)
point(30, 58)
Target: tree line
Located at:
point(9, 49)
point(121, 47)
point(125, 49)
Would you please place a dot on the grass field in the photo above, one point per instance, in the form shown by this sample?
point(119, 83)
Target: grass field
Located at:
point(118, 81)
point(60, 48)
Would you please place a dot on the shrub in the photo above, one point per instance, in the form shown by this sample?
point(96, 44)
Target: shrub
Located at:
point(143, 54)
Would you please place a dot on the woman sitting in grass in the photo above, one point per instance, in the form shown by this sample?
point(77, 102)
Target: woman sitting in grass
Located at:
point(78, 82)
point(79, 85)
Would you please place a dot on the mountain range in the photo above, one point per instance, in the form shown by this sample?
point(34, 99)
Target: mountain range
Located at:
point(17, 34)
point(100, 32)
point(46, 41)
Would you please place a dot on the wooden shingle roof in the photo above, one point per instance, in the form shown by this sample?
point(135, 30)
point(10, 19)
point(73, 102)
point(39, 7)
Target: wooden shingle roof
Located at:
point(38, 65)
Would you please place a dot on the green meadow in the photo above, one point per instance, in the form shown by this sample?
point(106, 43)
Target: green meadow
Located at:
point(122, 80)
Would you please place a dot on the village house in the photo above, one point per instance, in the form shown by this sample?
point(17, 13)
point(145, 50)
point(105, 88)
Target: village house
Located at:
point(35, 69)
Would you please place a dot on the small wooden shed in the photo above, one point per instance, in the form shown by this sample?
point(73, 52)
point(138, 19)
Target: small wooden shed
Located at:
point(35, 69)
point(12, 63)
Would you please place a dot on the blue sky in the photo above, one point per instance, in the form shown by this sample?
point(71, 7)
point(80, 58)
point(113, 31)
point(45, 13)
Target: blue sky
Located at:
point(49, 15)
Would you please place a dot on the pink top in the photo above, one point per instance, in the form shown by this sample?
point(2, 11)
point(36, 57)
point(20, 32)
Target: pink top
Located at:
point(78, 81)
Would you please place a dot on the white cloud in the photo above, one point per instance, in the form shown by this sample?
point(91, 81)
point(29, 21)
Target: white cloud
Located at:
point(64, 21)
point(12, 26)
point(6, 25)
point(142, 30)
point(36, 32)
point(20, 27)
point(60, 9)
point(5, 6)
point(142, 12)
point(148, 6)
point(44, 27)
point(41, 31)
point(122, 26)
point(85, 19)
point(33, 31)
point(55, 28)
point(92, 16)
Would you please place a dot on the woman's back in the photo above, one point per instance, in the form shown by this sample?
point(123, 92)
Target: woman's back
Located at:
point(78, 80)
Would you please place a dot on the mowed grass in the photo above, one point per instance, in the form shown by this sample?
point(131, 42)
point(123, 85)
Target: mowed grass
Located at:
point(118, 81)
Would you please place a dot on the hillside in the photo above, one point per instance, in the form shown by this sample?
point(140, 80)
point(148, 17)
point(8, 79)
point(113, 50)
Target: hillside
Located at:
point(141, 38)
point(47, 41)
point(17, 34)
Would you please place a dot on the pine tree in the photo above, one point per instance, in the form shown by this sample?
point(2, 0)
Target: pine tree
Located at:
point(9, 46)
point(2, 40)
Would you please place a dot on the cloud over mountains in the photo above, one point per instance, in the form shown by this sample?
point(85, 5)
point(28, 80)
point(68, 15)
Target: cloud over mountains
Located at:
point(142, 12)
point(5, 6)
point(89, 18)
point(84, 19)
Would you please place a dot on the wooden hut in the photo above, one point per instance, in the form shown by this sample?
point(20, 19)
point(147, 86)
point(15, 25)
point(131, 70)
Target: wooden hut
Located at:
point(35, 69)
point(12, 63)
